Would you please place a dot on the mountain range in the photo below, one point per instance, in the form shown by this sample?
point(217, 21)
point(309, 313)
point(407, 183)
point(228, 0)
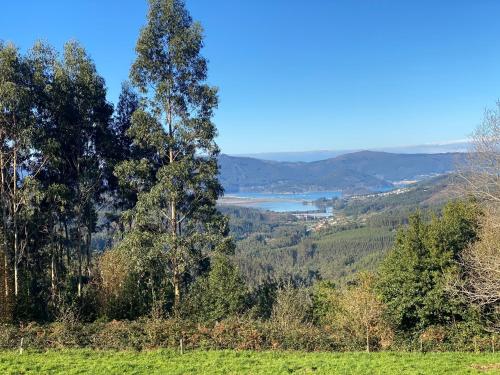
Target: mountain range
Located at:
point(430, 148)
point(363, 171)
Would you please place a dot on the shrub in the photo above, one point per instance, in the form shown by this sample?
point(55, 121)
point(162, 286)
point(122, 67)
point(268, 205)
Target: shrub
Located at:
point(9, 336)
point(219, 294)
point(237, 333)
point(292, 308)
point(119, 335)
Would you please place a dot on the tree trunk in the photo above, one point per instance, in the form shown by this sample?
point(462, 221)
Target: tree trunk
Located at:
point(6, 303)
point(66, 235)
point(173, 221)
point(53, 276)
point(176, 270)
point(79, 249)
point(16, 259)
point(53, 260)
point(88, 253)
point(79, 229)
point(15, 206)
point(177, 289)
point(5, 246)
point(16, 282)
point(6, 275)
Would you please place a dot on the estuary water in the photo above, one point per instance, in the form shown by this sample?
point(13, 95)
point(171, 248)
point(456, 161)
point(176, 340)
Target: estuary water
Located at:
point(280, 202)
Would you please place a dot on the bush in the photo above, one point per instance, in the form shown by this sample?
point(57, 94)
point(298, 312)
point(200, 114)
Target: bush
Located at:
point(292, 308)
point(119, 335)
point(9, 336)
point(219, 294)
point(238, 333)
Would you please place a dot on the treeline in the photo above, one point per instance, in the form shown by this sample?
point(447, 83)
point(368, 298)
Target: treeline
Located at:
point(57, 153)
point(291, 252)
point(423, 297)
point(71, 166)
point(279, 246)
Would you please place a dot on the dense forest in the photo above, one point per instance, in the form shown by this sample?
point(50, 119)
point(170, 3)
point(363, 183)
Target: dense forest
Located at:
point(69, 163)
point(111, 236)
point(280, 246)
point(356, 172)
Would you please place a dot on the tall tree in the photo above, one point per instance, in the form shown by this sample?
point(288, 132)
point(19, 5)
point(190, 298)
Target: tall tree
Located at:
point(414, 274)
point(177, 184)
point(16, 126)
point(482, 172)
point(122, 148)
point(48, 247)
point(479, 277)
point(75, 141)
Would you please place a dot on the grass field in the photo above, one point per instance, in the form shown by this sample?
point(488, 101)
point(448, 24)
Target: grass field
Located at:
point(245, 362)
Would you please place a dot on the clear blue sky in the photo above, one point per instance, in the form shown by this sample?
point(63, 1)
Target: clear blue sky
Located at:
point(307, 75)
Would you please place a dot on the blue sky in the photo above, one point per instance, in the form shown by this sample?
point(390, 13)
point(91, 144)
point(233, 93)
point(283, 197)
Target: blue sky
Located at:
point(307, 75)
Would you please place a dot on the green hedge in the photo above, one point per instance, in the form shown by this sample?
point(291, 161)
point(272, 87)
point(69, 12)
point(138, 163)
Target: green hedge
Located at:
point(235, 333)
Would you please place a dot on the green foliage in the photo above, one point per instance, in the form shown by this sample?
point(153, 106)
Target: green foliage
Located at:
point(357, 172)
point(123, 292)
point(325, 302)
point(54, 128)
point(413, 276)
point(217, 295)
point(292, 308)
point(59, 147)
point(19, 192)
point(276, 248)
point(174, 223)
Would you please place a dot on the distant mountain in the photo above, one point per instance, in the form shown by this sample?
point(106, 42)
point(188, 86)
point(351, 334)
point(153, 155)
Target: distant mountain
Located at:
point(352, 173)
point(307, 156)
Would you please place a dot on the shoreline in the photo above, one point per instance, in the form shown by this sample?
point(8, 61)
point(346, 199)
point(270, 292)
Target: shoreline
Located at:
point(240, 201)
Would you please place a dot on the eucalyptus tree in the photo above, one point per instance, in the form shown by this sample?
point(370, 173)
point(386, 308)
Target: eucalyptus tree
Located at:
point(122, 197)
point(75, 139)
point(175, 219)
point(42, 60)
point(17, 156)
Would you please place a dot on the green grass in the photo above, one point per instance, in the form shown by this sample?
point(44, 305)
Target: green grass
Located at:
point(245, 362)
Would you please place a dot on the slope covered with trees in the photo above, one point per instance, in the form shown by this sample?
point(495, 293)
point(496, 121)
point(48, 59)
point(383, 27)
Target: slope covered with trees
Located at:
point(356, 172)
point(356, 238)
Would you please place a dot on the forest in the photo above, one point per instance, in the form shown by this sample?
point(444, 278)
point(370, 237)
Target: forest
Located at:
point(111, 237)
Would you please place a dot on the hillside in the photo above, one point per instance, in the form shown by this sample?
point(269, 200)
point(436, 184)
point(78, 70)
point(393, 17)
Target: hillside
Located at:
point(352, 173)
point(276, 245)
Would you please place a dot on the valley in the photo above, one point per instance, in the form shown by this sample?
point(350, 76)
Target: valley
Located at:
point(333, 238)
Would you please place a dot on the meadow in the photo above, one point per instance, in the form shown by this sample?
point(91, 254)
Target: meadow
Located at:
point(85, 361)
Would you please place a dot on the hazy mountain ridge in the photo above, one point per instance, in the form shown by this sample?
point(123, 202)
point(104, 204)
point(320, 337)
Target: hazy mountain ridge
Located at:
point(316, 155)
point(352, 173)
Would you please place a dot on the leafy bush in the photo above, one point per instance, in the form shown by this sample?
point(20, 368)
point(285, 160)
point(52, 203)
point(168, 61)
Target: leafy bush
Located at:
point(413, 276)
point(292, 308)
point(119, 335)
point(239, 333)
point(219, 294)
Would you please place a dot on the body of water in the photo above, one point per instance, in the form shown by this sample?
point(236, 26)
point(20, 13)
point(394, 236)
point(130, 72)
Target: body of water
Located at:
point(282, 202)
